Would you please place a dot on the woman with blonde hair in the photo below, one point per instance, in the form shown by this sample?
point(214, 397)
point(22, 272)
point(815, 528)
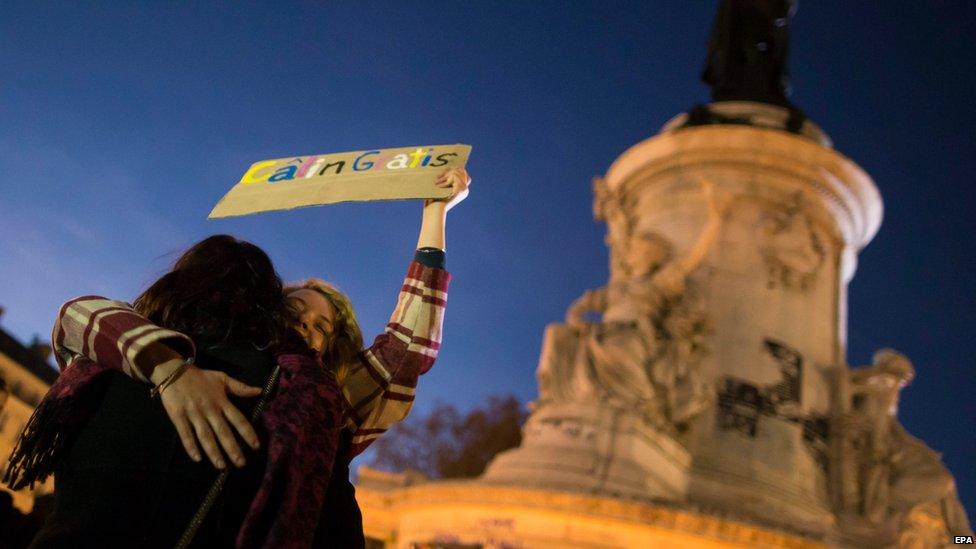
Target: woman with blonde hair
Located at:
point(346, 339)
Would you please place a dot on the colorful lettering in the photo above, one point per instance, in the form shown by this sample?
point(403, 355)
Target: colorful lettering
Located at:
point(366, 165)
point(305, 166)
point(339, 164)
point(257, 172)
point(440, 158)
point(283, 174)
point(400, 160)
point(416, 156)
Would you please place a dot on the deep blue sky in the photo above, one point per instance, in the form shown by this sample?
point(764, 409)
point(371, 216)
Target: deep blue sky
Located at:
point(121, 126)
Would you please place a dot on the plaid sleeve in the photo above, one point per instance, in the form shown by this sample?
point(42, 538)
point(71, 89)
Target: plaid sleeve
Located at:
point(380, 388)
point(109, 332)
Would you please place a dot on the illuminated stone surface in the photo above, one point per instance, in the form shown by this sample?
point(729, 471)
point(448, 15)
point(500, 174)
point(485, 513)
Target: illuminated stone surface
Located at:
point(464, 514)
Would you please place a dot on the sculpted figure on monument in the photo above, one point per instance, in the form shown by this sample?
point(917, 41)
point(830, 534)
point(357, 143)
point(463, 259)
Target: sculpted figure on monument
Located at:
point(869, 428)
point(643, 353)
point(561, 341)
point(792, 248)
point(611, 207)
point(898, 482)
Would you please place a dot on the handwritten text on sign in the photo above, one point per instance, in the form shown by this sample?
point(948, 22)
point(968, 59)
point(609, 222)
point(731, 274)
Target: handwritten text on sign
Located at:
point(387, 174)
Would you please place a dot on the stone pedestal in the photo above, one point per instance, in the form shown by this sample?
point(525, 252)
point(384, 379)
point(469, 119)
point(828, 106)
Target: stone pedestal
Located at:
point(404, 513)
point(592, 448)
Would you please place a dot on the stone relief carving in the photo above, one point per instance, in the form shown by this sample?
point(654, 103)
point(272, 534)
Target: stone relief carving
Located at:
point(792, 248)
point(611, 207)
point(868, 429)
point(643, 353)
point(890, 479)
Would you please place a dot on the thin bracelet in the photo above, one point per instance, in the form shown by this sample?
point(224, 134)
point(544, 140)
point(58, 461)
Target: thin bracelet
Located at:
point(170, 379)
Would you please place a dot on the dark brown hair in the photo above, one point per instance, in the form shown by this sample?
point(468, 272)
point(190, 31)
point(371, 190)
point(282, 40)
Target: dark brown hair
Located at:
point(223, 290)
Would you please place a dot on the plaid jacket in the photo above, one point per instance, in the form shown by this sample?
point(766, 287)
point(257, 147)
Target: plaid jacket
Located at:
point(379, 389)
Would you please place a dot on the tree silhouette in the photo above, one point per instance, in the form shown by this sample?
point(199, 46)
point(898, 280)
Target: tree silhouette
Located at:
point(447, 444)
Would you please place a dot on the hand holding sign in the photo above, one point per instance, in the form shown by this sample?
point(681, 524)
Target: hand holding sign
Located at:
point(456, 179)
point(388, 174)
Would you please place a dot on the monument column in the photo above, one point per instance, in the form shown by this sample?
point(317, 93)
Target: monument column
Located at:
point(773, 283)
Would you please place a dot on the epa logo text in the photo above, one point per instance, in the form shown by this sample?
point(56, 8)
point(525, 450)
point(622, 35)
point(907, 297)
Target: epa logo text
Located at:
point(963, 540)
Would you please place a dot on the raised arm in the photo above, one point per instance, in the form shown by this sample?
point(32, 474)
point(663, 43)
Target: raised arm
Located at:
point(432, 226)
point(381, 387)
point(592, 301)
point(690, 261)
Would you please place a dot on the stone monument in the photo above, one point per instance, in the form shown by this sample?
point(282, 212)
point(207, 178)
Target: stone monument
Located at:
point(707, 380)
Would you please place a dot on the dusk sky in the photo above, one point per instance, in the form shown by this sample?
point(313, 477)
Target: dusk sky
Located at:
point(121, 126)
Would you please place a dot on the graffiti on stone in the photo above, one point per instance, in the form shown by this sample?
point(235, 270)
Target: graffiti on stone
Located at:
point(741, 403)
point(790, 363)
point(739, 406)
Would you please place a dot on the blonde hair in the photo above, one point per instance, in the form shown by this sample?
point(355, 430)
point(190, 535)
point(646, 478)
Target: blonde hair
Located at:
point(346, 339)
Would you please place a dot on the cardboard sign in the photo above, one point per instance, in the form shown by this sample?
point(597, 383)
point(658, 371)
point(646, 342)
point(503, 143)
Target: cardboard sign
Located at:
point(295, 182)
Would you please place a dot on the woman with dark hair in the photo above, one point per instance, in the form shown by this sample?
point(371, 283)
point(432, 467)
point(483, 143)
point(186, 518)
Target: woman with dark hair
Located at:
point(121, 479)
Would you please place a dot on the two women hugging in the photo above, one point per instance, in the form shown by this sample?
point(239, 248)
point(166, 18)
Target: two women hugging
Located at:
point(155, 401)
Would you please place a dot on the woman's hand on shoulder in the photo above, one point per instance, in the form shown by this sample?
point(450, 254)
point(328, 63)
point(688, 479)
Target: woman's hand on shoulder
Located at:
point(196, 402)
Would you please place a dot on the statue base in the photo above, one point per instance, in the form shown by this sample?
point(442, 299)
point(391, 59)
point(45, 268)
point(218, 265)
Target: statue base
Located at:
point(408, 512)
point(751, 113)
point(589, 448)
